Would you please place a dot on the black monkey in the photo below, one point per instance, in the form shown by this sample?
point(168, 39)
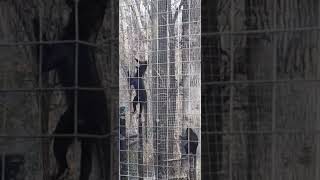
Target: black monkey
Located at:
point(190, 145)
point(138, 83)
point(91, 105)
point(192, 142)
point(141, 97)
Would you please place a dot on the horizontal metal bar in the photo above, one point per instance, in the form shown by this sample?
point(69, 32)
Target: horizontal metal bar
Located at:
point(260, 132)
point(261, 81)
point(202, 34)
point(285, 81)
point(261, 31)
point(89, 44)
point(58, 135)
point(9, 90)
point(37, 42)
point(242, 32)
point(49, 42)
point(144, 164)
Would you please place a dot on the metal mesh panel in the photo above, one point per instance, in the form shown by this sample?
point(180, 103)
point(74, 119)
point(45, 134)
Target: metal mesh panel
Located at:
point(44, 86)
point(166, 34)
point(259, 90)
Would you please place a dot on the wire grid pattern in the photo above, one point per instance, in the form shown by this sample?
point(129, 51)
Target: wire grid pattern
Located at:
point(260, 88)
point(28, 142)
point(166, 33)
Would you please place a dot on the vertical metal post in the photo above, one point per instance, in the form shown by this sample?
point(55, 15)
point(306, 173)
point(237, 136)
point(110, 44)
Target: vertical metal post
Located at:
point(167, 85)
point(200, 102)
point(317, 135)
point(140, 131)
point(3, 164)
point(76, 87)
point(5, 109)
point(113, 125)
point(119, 114)
point(4, 119)
point(190, 161)
point(44, 125)
point(40, 47)
point(40, 53)
point(231, 87)
point(274, 89)
point(119, 141)
point(158, 94)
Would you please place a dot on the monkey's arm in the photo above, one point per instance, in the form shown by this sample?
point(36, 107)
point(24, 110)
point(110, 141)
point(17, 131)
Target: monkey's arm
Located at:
point(140, 61)
point(143, 62)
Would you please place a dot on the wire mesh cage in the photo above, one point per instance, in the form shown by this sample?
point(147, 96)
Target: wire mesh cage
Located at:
point(160, 130)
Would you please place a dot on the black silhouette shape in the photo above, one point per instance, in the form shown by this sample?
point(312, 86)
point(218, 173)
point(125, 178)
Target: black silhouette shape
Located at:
point(92, 107)
point(138, 83)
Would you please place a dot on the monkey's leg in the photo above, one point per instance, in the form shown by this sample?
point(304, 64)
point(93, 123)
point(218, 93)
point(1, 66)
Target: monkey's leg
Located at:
point(61, 144)
point(141, 107)
point(135, 102)
point(86, 159)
